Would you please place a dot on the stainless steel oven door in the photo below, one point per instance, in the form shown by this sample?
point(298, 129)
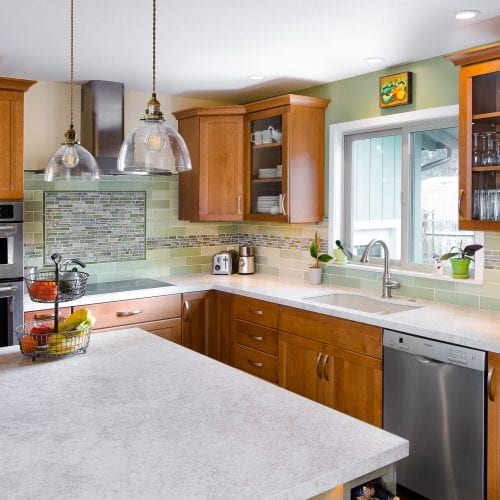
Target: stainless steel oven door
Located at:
point(11, 311)
point(11, 250)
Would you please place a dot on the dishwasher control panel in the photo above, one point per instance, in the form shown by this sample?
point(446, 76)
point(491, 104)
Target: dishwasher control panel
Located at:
point(433, 350)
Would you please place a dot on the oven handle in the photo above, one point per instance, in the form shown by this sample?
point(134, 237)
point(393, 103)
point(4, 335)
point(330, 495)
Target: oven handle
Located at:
point(7, 231)
point(7, 291)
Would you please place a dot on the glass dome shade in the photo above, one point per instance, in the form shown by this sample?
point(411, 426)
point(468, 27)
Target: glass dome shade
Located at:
point(154, 148)
point(85, 166)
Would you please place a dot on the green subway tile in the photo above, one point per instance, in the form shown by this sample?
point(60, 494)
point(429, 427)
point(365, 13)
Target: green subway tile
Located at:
point(158, 254)
point(157, 204)
point(414, 291)
point(491, 303)
point(267, 269)
point(460, 299)
point(228, 229)
point(159, 185)
point(345, 281)
point(437, 284)
point(338, 271)
point(184, 252)
point(201, 259)
point(176, 231)
point(38, 196)
point(176, 271)
point(404, 280)
point(492, 243)
point(372, 286)
point(291, 254)
point(29, 195)
point(33, 206)
point(326, 279)
point(290, 273)
point(361, 273)
point(260, 259)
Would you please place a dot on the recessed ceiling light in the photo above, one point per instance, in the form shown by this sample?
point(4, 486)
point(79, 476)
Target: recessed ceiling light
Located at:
point(256, 77)
point(374, 60)
point(467, 14)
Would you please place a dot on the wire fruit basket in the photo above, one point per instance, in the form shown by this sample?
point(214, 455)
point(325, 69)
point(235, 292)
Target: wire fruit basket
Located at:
point(44, 338)
point(37, 339)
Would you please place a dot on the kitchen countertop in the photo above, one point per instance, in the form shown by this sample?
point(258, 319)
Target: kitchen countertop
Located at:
point(141, 417)
point(461, 325)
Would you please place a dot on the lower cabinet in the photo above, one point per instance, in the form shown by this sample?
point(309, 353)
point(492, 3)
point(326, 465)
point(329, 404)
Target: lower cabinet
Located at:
point(158, 315)
point(46, 314)
point(330, 371)
point(221, 337)
point(197, 316)
point(493, 430)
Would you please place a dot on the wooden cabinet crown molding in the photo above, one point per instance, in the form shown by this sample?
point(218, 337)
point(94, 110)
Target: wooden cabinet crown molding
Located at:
point(474, 55)
point(15, 84)
point(287, 100)
point(205, 111)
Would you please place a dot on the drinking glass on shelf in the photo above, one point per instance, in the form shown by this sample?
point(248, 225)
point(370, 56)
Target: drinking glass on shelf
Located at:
point(488, 156)
point(476, 152)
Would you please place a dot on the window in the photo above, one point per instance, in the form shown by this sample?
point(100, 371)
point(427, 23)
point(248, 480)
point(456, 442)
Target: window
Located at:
point(399, 183)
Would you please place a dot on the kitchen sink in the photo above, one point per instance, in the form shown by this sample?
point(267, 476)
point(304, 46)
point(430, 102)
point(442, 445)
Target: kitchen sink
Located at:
point(362, 303)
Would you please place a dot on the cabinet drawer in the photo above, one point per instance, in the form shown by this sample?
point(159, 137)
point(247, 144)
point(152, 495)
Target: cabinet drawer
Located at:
point(256, 362)
point(256, 311)
point(131, 312)
point(349, 335)
point(257, 336)
point(169, 329)
point(46, 314)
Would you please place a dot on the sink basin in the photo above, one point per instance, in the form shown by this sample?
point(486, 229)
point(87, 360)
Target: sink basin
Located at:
point(362, 303)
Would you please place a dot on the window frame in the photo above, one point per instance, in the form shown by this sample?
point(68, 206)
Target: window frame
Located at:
point(407, 122)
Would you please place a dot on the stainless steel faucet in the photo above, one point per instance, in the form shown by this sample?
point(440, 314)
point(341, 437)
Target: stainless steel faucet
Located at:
point(388, 284)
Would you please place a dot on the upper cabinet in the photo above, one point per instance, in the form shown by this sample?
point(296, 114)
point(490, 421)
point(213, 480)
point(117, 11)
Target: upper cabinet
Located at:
point(213, 189)
point(284, 159)
point(11, 137)
point(479, 125)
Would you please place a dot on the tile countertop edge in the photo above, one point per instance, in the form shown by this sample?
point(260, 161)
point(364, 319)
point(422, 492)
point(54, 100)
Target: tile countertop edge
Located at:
point(475, 328)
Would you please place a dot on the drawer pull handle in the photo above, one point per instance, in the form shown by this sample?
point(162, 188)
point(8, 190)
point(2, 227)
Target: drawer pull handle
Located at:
point(325, 367)
point(256, 363)
point(186, 311)
point(255, 337)
point(318, 365)
point(122, 314)
point(45, 316)
point(258, 312)
point(491, 394)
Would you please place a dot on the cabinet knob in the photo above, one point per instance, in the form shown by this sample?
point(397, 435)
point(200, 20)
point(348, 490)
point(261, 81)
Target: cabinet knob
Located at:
point(122, 314)
point(258, 312)
point(255, 337)
point(256, 363)
point(491, 392)
point(186, 311)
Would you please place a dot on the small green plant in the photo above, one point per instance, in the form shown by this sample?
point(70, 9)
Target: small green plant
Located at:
point(467, 252)
point(313, 250)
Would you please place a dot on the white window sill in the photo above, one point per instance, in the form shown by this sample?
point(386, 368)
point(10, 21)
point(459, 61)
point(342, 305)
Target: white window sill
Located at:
point(405, 272)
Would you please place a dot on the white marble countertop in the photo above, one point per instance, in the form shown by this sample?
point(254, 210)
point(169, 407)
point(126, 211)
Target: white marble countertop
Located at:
point(140, 417)
point(461, 325)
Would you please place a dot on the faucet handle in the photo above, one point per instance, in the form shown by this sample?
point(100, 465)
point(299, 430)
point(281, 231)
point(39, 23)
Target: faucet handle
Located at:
point(392, 284)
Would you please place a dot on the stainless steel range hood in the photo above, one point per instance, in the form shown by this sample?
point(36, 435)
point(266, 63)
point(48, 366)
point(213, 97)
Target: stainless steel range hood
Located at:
point(102, 122)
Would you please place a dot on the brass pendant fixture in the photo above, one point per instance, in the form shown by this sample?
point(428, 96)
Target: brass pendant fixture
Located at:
point(71, 161)
point(154, 147)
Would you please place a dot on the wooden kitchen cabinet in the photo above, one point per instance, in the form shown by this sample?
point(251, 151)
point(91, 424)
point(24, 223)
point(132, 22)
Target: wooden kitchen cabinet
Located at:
point(493, 432)
point(221, 338)
point(333, 361)
point(46, 314)
point(297, 126)
point(213, 189)
point(479, 120)
point(11, 137)
point(197, 318)
point(256, 337)
point(159, 315)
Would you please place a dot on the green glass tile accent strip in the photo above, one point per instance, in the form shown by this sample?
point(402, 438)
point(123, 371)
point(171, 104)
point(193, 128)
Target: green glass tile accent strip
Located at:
point(95, 226)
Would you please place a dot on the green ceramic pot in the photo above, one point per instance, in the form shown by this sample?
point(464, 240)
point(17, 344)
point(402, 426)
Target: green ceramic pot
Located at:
point(460, 268)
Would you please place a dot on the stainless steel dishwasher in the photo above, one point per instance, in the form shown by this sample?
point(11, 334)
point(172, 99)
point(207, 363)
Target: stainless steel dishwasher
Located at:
point(434, 396)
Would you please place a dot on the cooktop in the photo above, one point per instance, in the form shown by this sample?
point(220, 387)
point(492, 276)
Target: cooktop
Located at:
point(124, 286)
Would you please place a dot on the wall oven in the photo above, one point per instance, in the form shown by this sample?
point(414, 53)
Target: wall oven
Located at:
point(11, 270)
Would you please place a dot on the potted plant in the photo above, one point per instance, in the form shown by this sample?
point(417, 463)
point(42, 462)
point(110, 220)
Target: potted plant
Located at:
point(315, 269)
point(461, 259)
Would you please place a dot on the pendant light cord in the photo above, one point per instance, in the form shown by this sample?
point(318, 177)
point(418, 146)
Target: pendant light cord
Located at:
point(154, 47)
point(71, 67)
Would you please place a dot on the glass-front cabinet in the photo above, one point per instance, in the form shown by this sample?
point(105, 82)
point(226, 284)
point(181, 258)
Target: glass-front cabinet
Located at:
point(284, 159)
point(479, 122)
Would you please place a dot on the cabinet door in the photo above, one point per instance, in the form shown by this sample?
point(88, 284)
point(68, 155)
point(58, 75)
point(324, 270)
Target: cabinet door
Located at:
point(493, 433)
point(197, 312)
point(221, 336)
point(11, 145)
point(221, 168)
point(353, 384)
point(300, 363)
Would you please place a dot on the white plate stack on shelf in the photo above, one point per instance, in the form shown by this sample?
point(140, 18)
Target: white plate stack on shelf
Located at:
point(267, 173)
point(266, 204)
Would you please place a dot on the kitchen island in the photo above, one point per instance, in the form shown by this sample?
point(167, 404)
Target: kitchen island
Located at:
point(140, 417)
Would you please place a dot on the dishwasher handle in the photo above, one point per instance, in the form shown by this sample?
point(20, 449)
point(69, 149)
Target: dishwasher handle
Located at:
point(426, 360)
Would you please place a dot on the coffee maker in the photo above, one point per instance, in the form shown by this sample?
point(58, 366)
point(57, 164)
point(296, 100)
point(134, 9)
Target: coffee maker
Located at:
point(247, 260)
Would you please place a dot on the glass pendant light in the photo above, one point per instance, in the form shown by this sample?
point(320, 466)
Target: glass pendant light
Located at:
point(154, 147)
point(71, 161)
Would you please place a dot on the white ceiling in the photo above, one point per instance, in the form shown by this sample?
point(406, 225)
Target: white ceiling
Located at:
point(209, 48)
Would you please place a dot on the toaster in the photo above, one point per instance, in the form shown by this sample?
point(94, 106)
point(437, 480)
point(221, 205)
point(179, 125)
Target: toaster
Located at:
point(225, 262)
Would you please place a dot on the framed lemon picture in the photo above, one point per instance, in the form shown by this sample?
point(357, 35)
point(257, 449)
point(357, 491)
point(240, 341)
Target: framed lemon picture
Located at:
point(395, 90)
